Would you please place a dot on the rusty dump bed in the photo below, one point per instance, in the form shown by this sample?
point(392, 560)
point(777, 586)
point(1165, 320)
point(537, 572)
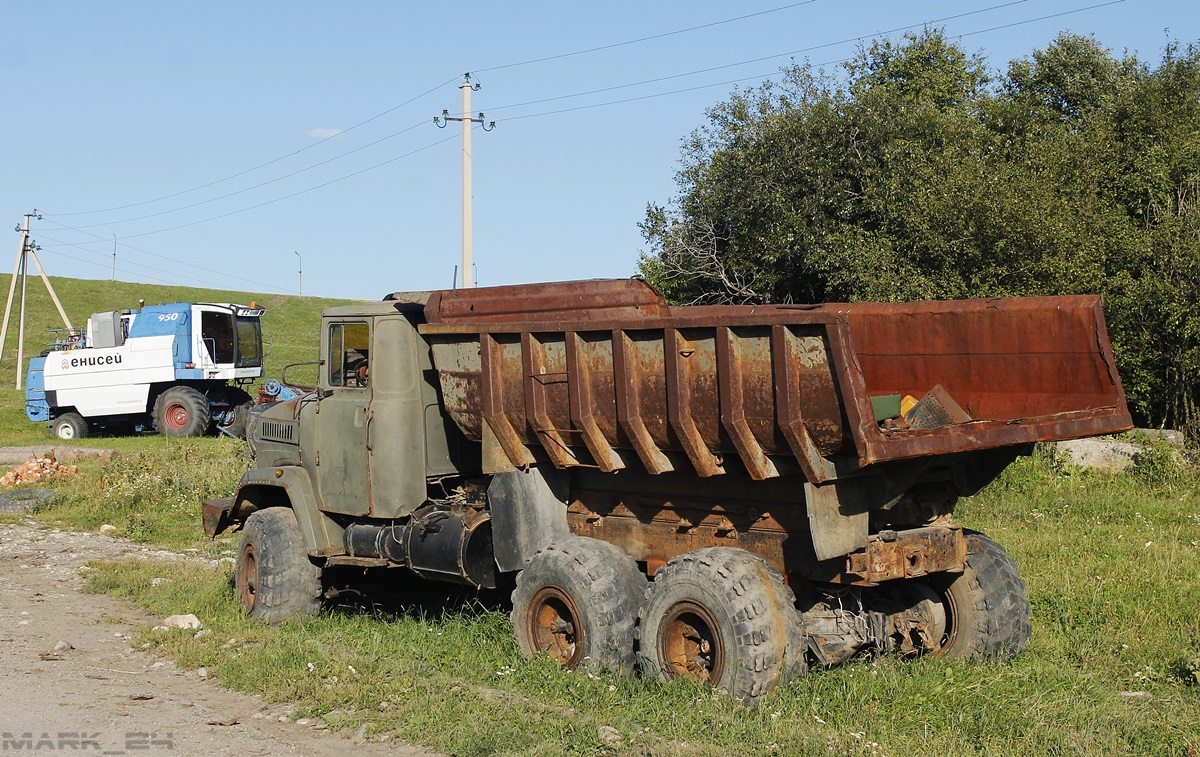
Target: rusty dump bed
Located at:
point(605, 374)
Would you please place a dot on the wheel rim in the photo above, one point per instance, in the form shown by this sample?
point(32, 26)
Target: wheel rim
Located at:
point(690, 644)
point(248, 579)
point(554, 629)
point(65, 431)
point(176, 416)
point(949, 621)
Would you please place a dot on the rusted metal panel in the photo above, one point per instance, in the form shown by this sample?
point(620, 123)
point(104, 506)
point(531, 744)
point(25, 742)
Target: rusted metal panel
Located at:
point(598, 300)
point(540, 376)
point(588, 392)
point(494, 406)
point(687, 364)
point(589, 369)
point(791, 354)
point(630, 390)
point(732, 390)
point(893, 555)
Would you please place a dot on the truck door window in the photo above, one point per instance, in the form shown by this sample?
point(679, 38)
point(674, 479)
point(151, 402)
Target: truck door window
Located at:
point(216, 329)
point(349, 352)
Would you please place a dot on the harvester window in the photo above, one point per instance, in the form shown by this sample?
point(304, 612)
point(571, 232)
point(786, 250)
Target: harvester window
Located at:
point(216, 329)
point(349, 352)
point(249, 342)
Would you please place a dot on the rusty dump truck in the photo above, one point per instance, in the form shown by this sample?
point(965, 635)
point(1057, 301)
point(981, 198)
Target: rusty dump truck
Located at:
point(729, 494)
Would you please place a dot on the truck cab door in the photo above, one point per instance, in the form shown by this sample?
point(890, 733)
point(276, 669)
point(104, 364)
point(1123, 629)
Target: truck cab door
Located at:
point(396, 424)
point(342, 419)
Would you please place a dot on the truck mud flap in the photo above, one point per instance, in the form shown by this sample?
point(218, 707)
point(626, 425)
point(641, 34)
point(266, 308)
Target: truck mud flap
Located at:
point(838, 519)
point(529, 512)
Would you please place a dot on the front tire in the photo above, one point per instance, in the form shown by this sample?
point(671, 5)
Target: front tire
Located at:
point(987, 611)
point(69, 426)
point(723, 617)
point(275, 579)
point(576, 602)
point(181, 411)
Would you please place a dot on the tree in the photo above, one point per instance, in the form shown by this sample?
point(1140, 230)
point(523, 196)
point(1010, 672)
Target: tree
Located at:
point(919, 176)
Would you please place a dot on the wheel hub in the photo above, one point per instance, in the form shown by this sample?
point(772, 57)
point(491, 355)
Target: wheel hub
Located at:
point(247, 579)
point(553, 620)
point(176, 416)
point(690, 643)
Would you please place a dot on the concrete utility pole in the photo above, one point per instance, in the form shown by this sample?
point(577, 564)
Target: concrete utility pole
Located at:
point(28, 250)
point(467, 88)
point(301, 270)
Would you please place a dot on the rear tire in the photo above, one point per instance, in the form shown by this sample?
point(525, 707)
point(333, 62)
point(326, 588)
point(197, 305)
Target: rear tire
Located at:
point(275, 578)
point(181, 411)
point(721, 616)
point(576, 602)
point(69, 426)
point(987, 612)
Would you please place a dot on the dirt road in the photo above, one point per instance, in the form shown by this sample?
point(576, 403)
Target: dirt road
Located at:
point(93, 694)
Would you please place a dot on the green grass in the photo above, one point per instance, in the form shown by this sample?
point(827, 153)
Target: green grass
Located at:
point(1112, 564)
point(290, 329)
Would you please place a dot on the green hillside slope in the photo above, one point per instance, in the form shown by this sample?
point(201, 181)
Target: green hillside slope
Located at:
point(290, 329)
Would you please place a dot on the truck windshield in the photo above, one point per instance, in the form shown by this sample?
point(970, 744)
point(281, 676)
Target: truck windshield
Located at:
point(249, 343)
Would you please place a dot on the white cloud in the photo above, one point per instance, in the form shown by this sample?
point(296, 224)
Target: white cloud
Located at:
point(323, 132)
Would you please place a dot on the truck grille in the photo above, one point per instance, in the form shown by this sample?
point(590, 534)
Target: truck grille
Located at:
point(278, 432)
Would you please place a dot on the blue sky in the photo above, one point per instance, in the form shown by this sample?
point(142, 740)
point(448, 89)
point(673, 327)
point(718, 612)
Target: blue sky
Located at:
point(200, 131)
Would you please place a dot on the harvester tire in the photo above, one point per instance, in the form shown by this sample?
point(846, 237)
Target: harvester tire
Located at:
point(987, 612)
point(576, 602)
point(181, 411)
point(275, 578)
point(240, 404)
point(69, 426)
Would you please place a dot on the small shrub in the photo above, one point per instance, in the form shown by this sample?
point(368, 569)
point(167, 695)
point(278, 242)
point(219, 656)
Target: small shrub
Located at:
point(1158, 462)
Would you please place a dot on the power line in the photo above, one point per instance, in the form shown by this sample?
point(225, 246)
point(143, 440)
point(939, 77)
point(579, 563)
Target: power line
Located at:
point(152, 254)
point(293, 194)
point(771, 75)
point(411, 100)
point(553, 112)
point(643, 39)
point(766, 57)
point(423, 122)
point(122, 269)
point(323, 140)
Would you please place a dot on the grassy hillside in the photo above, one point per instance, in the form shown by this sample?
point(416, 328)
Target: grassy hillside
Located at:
point(290, 329)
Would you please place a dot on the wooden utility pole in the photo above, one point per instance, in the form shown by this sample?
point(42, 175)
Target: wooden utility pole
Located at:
point(27, 251)
point(467, 88)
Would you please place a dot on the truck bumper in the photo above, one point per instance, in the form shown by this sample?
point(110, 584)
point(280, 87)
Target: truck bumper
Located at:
point(217, 515)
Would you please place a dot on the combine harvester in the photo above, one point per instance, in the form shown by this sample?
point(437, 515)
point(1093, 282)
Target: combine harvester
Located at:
point(177, 368)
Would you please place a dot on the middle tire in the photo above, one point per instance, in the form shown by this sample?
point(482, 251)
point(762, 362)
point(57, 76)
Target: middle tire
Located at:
point(181, 411)
point(721, 616)
point(576, 601)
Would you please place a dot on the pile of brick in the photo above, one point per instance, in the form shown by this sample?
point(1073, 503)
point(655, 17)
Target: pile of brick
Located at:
point(38, 468)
